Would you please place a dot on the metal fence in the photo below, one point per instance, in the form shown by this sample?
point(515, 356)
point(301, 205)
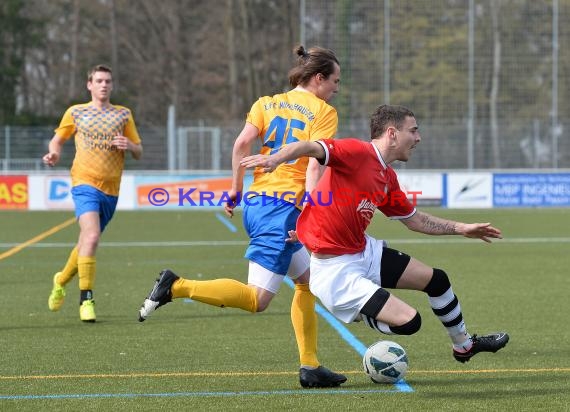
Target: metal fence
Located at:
point(488, 81)
point(209, 147)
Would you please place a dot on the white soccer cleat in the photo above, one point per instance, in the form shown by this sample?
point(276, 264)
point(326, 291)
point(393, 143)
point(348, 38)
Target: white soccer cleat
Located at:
point(159, 295)
point(146, 309)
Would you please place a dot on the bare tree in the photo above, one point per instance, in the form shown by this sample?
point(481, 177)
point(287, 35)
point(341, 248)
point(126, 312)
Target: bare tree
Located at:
point(114, 46)
point(247, 50)
point(232, 59)
point(74, 47)
point(495, 10)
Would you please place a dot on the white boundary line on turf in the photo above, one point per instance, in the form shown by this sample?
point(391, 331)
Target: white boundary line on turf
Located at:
point(183, 243)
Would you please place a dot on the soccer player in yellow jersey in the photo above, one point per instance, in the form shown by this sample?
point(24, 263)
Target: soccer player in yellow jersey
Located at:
point(301, 114)
point(103, 133)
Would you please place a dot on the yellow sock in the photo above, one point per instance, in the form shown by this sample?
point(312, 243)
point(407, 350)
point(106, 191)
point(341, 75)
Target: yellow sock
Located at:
point(70, 268)
point(219, 292)
point(305, 323)
point(86, 269)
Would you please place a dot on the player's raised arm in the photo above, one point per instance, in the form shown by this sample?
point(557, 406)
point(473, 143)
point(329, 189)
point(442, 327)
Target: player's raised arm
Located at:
point(288, 152)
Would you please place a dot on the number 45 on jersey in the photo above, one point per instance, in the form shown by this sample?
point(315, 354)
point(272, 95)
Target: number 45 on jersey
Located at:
point(280, 132)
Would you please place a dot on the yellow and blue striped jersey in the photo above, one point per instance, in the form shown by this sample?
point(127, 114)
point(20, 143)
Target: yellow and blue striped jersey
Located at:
point(96, 162)
point(286, 118)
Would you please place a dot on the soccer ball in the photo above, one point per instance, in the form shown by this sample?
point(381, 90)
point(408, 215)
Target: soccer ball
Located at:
point(385, 362)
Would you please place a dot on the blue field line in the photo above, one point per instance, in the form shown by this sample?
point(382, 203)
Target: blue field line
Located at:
point(197, 394)
point(352, 340)
point(359, 347)
point(226, 222)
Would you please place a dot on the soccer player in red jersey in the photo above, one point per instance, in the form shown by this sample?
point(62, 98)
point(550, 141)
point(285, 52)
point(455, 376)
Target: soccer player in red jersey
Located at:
point(350, 270)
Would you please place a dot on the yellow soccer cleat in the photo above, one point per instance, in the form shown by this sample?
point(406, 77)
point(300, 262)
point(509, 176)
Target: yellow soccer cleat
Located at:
point(57, 295)
point(87, 311)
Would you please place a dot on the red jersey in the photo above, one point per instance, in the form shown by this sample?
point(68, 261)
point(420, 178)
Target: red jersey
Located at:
point(356, 183)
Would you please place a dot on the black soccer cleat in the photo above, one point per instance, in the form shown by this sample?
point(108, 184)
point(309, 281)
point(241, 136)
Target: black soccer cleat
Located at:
point(159, 295)
point(487, 343)
point(320, 377)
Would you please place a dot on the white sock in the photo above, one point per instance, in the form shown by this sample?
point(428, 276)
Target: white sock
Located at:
point(463, 346)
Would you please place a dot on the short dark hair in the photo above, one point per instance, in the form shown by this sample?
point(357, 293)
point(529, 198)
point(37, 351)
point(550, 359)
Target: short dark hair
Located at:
point(388, 115)
point(98, 68)
point(311, 62)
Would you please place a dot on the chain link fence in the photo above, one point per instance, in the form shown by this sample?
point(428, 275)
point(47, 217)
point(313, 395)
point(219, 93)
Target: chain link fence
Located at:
point(487, 80)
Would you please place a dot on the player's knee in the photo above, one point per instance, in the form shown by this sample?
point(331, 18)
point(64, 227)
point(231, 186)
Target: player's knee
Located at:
point(438, 284)
point(410, 327)
point(263, 302)
point(89, 237)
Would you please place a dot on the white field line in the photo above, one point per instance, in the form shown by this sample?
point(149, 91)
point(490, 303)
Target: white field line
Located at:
point(430, 240)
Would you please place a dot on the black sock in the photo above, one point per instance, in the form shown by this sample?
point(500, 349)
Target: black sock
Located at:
point(85, 295)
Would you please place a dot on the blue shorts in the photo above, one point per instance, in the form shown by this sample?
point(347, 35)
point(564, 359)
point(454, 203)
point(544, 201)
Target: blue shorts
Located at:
point(267, 221)
point(89, 199)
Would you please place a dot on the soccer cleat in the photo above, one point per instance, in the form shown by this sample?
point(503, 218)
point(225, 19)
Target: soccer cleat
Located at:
point(320, 377)
point(57, 295)
point(159, 295)
point(487, 343)
point(87, 310)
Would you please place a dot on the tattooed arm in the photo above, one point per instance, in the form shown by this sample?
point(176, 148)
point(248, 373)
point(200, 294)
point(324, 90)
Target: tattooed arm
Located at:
point(432, 225)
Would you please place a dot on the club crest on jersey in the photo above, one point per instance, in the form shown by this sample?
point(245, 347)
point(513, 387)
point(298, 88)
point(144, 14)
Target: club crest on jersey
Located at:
point(366, 208)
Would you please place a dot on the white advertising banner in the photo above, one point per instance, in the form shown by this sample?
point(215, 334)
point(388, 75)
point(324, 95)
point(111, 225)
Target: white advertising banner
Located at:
point(53, 192)
point(469, 190)
point(427, 187)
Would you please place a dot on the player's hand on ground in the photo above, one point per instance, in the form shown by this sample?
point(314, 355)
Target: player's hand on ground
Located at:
point(483, 231)
point(266, 162)
point(51, 159)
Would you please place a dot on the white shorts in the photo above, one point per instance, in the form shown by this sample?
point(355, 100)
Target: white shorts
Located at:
point(345, 283)
point(265, 279)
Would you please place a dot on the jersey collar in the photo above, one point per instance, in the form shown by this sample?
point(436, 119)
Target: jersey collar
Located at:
point(382, 162)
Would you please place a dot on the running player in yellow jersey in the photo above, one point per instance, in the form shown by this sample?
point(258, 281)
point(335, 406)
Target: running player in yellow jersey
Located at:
point(103, 133)
point(271, 209)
